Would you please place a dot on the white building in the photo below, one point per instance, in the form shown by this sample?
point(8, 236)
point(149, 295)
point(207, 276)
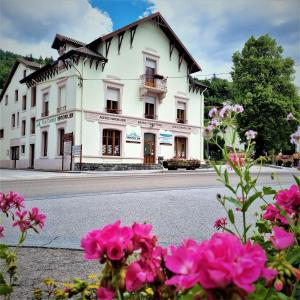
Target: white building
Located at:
point(126, 97)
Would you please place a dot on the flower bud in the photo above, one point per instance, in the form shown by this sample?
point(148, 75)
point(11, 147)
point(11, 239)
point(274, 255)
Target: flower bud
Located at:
point(278, 285)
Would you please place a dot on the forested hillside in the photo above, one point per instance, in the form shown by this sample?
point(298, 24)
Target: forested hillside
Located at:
point(7, 60)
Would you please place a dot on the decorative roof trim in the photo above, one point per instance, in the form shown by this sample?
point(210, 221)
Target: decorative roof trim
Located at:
point(30, 64)
point(53, 68)
point(59, 39)
point(162, 23)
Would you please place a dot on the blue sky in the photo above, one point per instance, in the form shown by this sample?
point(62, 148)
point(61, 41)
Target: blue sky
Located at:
point(211, 29)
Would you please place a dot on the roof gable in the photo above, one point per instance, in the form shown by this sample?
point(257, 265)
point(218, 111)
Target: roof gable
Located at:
point(165, 27)
point(60, 40)
point(29, 64)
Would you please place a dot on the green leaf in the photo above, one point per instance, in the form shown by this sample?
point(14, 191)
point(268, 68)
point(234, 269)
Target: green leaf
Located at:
point(226, 179)
point(231, 216)
point(237, 203)
point(293, 254)
point(2, 280)
point(297, 179)
point(267, 190)
point(250, 201)
point(5, 289)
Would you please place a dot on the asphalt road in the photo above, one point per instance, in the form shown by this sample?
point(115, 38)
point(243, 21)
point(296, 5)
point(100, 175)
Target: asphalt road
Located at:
point(97, 184)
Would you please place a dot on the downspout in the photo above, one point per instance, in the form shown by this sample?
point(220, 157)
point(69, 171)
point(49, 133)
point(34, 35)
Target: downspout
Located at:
point(202, 124)
point(81, 100)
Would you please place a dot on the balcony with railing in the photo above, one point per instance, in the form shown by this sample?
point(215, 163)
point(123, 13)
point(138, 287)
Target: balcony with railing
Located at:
point(156, 84)
point(181, 121)
point(61, 109)
point(150, 116)
point(113, 110)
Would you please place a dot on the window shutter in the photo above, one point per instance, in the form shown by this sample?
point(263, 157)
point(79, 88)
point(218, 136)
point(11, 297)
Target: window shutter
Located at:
point(181, 105)
point(113, 94)
point(150, 63)
point(150, 99)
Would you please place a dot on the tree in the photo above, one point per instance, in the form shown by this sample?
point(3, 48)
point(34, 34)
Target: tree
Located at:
point(262, 83)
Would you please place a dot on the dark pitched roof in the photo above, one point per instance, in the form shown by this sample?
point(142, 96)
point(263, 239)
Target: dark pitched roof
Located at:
point(30, 64)
point(156, 17)
point(53, 68)
point(62, 39)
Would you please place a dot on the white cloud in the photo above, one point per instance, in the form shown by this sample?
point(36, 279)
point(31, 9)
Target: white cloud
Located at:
point(213, 29)
point(30, 26)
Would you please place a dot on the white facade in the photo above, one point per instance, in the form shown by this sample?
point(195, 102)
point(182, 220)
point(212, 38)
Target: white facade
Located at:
point(124, 130)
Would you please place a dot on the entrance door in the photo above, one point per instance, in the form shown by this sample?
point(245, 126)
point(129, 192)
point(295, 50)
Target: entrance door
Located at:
point(31, 163)
point(149, 148)
point(15, 155)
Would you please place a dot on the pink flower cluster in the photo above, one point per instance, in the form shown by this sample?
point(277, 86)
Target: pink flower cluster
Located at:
point(29, 219)
point(220, 223)
point(236, 159)
point(11, 200)
point(13, 203)
point(217, 263)
point(282, 239)
point(288, 200)
point(295, 137)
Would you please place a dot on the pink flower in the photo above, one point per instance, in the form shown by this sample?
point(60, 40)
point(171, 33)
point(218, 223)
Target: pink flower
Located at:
point(282, 239)
point(214, 123)
point(213, 112)
point(92, 244)
point(278, 285)
point(290, 117)
point(36, 218)
point(220, 223)
point(238, 108)
point(225, 111)
point(217, 263)
point(115, 251)
point(143, 238)
point(105, 294)
point(272, 214)
point(289, 198)
point(1, 231)
point(184, 261)
point(113, 240)
point(250, 134)
point(22, 222)
point(236, 159)
point(11, 200)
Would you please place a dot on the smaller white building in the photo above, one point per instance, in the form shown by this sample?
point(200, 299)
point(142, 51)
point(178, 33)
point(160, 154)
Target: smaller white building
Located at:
point(127, 99)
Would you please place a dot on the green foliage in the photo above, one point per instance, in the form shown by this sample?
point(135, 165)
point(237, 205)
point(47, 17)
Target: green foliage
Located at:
point(7, 60)
point(262, 83)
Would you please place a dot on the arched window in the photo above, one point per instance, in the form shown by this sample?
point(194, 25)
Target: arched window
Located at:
point(111, 142)
point(180, 147)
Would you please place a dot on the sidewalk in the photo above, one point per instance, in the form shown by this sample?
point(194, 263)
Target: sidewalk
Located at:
point(12, 174)
point(35, 264)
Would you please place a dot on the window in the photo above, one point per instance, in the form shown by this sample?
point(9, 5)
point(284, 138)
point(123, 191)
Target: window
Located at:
point(22, 149)
point(44, 143)
point(18, 119)
point(6, 99)
point(23, 129)
point(111, 142)
point(150, 72)
point(13, 120)
point(61, 133)
point(24, 100)
point(45, 111)
point(1, 133)
point(61, 106)
point(24, 73)
point(180, 147)
point(33, 96)
point(32, 125)
point(112, 101)
point(16, 95)
point(150, 107)
point(181, 112)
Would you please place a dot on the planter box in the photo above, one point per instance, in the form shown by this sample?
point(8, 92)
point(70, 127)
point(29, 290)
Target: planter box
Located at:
point(174, 164)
